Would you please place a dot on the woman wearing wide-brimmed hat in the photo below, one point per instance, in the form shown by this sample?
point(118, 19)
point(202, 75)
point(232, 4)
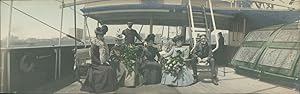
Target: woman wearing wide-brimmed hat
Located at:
point(100, 76)
point(116, 57)
point(175, 72)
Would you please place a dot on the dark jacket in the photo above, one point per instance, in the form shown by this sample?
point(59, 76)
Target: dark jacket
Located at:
point(130, 35)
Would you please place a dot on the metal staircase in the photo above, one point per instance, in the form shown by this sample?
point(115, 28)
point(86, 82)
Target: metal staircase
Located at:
point(199, 19)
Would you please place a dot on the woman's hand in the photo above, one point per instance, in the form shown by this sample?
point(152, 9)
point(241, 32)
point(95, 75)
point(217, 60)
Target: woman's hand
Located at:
point(145, 43)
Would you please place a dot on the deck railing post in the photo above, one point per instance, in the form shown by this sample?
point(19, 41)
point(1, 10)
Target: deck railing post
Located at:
point(8, 45)
point(60, 35)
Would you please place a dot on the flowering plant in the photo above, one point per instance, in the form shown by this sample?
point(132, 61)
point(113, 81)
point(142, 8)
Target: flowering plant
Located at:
point(175, 65)
point(129, 57)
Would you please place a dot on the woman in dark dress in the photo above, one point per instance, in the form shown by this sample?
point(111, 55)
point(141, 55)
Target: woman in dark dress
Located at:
point(101, 77)
point(151, 69)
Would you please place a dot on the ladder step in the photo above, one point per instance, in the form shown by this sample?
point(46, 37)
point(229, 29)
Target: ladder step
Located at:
point(199, 23)
point(199, 31)
point(198, 17)
point(198, 20)
point(197, 13)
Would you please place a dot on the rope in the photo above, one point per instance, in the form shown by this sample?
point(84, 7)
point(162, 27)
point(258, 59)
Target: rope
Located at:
point(140, 31)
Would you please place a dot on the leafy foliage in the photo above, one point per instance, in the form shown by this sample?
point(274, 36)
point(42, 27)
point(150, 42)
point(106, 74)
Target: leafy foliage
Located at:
point(175, 65)
point(129, 58)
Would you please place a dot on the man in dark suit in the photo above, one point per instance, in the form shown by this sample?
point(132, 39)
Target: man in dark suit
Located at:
point(201, 54)
point(130, 34)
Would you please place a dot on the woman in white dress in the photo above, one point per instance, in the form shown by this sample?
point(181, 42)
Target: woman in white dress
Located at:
point(175, 72)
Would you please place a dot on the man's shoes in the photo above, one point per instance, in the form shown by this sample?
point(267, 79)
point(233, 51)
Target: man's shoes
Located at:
point(215, 81)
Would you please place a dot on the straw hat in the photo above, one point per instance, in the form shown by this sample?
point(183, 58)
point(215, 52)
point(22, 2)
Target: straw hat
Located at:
point(120, 37)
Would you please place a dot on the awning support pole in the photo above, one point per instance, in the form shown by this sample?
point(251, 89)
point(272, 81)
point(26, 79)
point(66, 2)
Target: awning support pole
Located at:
point(8, 45)
point(151, 25)
point(75, 24)
point(60, 35)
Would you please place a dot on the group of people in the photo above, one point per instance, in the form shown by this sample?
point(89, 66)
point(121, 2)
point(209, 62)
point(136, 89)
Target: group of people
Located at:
point(128, 65)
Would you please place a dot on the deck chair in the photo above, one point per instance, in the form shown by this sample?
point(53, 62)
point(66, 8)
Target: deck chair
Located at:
point(82, 63)
point(204, 67)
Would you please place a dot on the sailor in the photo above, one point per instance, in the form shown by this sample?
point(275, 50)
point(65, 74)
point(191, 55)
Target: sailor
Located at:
point(130, 34)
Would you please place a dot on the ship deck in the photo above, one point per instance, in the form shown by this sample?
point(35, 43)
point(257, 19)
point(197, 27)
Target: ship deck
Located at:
point(230, 83)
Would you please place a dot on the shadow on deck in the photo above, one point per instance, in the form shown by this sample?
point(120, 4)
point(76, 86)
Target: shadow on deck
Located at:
point(230, 83)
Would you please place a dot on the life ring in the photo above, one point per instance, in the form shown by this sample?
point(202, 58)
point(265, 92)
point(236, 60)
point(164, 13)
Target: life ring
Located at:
point(26, 63)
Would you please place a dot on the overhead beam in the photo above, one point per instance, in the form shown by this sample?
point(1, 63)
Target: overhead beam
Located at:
point(81, 2)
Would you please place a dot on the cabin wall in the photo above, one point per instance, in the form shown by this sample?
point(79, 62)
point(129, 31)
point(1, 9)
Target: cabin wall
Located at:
point(271, 53)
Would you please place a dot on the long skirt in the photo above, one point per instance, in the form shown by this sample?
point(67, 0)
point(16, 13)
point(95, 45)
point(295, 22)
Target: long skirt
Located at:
point(120, 70)
point(184, 78)
point(132, 78)
point(151, 72)
point(100, 79)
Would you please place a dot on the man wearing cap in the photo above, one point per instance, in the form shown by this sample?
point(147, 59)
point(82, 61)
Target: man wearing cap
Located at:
point(201, 54)
point(130, 34)
point(101, 77)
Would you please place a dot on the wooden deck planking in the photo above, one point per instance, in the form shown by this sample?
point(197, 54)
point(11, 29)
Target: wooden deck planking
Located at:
point(231, 83)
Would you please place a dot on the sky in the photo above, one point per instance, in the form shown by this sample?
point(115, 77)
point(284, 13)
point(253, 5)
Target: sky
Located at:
point(49, 12)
